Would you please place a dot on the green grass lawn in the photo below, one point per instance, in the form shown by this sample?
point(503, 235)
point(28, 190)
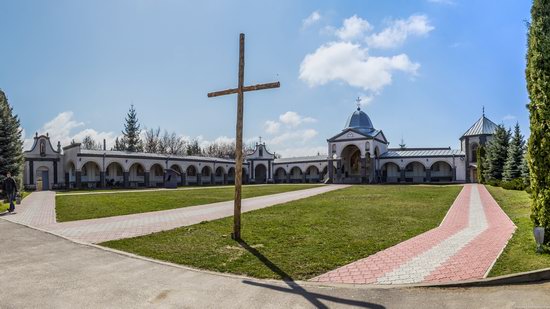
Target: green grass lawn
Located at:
point(304, 238)
point(520, 253)
point(89, 206)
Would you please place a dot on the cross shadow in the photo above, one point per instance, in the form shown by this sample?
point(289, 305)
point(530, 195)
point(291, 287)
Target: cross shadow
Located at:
point(295, 288)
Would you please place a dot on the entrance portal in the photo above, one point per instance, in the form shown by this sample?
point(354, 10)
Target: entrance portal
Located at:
point(260, 174)
point(42, 178)
point(351, 164)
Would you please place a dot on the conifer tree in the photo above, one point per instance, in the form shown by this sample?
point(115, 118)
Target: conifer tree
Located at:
point(11, 144)
point(537, 75)
point(496, 154)
point(512, 167)
point(131, 139)
point(525, 170)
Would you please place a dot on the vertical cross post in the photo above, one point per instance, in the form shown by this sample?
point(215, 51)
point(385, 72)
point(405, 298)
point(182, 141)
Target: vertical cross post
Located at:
point(240, 90)
point(239, 145)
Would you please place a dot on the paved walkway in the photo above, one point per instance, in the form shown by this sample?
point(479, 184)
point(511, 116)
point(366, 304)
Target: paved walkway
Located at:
point(40, 270)
point(38, 210)
point(464, 246)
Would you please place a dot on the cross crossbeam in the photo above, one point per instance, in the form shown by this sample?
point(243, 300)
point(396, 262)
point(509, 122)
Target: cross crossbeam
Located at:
point(245, 89)
point(240, 90)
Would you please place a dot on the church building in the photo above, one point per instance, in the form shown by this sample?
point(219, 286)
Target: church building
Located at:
point(358, 154)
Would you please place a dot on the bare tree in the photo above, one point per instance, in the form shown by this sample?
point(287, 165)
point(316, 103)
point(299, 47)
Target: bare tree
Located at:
point(89, 143)
point(152, 140)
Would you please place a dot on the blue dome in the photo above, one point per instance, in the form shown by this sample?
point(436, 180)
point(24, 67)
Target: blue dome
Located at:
point(359, 120)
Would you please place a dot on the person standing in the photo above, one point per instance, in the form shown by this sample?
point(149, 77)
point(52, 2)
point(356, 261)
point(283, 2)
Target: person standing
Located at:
point(10, 189)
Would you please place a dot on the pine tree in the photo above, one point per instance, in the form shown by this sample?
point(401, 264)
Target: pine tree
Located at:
point(496, 154)
point(11, 144)
point(131, 139)
point(538, 85)
point(480, 164)
point(512, 167)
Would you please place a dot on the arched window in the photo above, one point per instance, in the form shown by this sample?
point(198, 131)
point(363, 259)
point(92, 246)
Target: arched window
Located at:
point(474, 152)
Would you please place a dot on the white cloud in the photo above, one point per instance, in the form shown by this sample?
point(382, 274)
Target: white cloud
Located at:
point(61, 125)
point(272, 127)
point(293, 119)
point(350, 63)
point(399, 30)
point(294, 136)
point(352, 28)
point(313, 18)
point(366, 99)
point(61, 129)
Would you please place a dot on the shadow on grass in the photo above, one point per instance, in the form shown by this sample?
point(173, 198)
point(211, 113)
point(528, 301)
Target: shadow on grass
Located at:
point(295, 288)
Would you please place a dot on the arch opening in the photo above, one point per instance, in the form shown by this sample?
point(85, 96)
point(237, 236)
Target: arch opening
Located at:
point(351, 164)
point(231, 175)
point(206, 175)
point(296, 175)
point(391, 172)
point(136, 175)
point(191, 174)
point(415, 172)
point(114, 175)
point(441, 171)
point(280, 175)
point(156, 175)
point(90, 175)
point(313, 174)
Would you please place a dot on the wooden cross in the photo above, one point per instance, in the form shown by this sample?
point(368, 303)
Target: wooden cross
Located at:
point(240, 90)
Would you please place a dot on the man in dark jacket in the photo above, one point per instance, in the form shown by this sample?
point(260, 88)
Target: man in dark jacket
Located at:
point(10, 189)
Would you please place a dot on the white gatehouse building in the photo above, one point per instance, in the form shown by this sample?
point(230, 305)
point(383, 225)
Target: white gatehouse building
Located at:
point(358, 154)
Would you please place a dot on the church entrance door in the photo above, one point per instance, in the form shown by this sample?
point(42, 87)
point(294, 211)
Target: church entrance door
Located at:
point(351, 164)
point(260, 174)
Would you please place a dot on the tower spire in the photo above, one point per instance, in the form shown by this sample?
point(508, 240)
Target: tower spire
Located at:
point(483, 110)
point(358, 101)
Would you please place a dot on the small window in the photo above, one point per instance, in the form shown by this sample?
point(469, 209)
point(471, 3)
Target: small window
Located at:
point(474, 152)
point(261, 152)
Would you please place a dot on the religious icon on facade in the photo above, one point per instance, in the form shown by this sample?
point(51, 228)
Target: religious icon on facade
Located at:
point(42, 148)
point(355, 162)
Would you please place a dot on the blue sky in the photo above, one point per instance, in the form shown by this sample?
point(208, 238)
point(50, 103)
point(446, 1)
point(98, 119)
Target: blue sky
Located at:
point(423, 68)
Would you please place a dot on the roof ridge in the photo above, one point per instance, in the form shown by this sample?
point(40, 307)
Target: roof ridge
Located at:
point(482, 126)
